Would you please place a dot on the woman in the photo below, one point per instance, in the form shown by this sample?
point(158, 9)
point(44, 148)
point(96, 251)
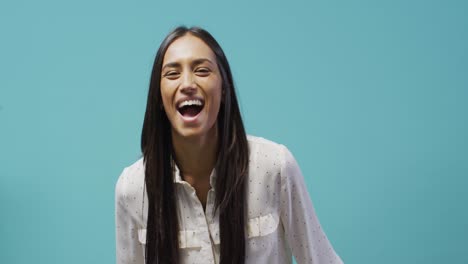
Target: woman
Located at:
point(204, 191)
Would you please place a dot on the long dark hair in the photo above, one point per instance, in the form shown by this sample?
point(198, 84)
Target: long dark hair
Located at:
point(231, 166)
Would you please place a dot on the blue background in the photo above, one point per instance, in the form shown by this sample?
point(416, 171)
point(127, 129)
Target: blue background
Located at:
point(370, 96)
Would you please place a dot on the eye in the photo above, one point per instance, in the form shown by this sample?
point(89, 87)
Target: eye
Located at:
point(202, 71)
point(171, 74)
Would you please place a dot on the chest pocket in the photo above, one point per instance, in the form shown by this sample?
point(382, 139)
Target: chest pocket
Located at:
point(187, 238)
point(256, 227)
point(262, 225)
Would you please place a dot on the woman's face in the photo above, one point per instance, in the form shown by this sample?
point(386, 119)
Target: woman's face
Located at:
point(191, 87)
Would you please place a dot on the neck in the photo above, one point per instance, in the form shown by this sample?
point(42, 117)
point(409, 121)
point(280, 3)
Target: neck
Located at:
point(196, 156)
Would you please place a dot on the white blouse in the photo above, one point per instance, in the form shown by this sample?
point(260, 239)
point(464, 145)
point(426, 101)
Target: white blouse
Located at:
point(281, 216)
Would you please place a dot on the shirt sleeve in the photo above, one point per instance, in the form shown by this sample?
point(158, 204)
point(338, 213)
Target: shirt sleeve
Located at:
point(128, 248)
point(305, 236)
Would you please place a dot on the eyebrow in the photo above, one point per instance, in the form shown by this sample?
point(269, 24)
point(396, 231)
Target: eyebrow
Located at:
point(194, 62)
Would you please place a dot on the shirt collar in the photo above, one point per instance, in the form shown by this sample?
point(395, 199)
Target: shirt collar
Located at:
point(178, 177)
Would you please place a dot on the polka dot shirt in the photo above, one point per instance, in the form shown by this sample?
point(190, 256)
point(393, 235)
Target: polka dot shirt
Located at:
point(281, 220)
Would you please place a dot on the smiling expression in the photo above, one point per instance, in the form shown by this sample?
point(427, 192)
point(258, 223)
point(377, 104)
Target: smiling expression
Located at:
point(191, 87)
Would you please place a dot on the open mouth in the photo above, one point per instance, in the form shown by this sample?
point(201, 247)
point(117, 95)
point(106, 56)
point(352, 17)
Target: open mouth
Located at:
point(190, 108)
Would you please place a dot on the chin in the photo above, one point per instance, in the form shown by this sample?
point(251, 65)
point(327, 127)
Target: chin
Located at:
point(188, 132)
point(194, 132)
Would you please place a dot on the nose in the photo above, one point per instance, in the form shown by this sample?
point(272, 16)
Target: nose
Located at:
point(188, 84)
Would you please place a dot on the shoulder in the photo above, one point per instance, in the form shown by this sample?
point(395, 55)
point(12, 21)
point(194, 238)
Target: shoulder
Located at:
point(266, 179)
point(260, 146)
point(268, 154)
point(130, 182)
point(263, 144)
point(272, 155)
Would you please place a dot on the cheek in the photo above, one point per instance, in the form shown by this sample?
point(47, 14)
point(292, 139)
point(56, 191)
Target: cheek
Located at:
point(166, 97)
point(217, 100)
point(216, 91)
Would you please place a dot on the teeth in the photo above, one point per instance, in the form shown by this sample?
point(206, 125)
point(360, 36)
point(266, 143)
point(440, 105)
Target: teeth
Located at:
point(190, 102)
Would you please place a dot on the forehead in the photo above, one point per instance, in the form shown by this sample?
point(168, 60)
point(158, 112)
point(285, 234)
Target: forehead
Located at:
point(188, 48)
